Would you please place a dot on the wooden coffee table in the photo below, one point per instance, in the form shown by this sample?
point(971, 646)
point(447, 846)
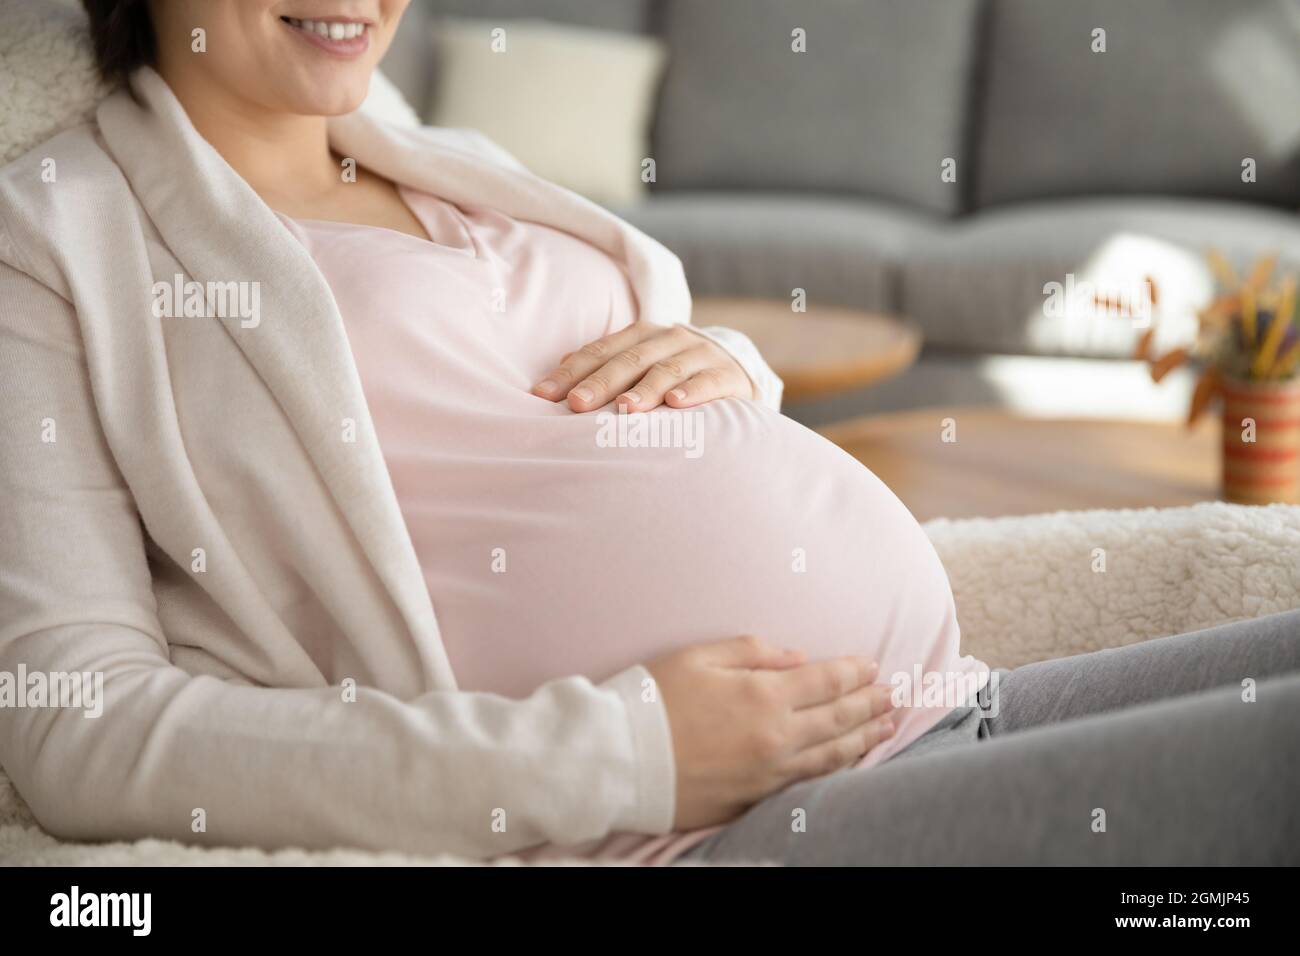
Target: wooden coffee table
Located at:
point(1004, 465)
point(826, 350)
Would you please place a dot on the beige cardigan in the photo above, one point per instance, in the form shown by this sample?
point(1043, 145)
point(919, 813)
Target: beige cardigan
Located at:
point(183, 514)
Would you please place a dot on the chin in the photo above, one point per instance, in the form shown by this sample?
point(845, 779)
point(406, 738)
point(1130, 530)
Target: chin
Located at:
point(332, 99)
point(327, 61)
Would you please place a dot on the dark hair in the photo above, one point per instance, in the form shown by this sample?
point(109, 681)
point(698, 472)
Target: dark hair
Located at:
point(122, 35)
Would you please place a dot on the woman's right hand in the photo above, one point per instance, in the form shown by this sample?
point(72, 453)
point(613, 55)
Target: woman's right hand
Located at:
point(748, 719)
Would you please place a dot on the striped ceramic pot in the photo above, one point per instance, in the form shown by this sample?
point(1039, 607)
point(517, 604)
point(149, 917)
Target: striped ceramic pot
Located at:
point(1261, 441)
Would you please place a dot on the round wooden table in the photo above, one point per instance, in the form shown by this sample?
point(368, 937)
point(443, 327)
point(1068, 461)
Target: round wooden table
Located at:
point(1001, 464)
point(826, 350)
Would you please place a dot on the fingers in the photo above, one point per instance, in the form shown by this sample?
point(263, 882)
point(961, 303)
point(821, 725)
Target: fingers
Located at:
point(816, 725)
point(840, 752)
point(669, 373)
point(709, 384)
point(824, 682)
point(645, 366)
point(750, 652)
point(624, 368)
point(593, 375)
point(560, 381)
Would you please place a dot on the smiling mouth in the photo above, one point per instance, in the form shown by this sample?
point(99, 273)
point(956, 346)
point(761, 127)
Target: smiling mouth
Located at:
point(341, 37)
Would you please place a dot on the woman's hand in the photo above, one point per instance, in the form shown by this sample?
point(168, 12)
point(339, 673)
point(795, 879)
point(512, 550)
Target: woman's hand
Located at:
point(748, 719)
point(645, 366)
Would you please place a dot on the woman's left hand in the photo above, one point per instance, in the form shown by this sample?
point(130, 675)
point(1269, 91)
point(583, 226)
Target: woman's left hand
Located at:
point(645, 366)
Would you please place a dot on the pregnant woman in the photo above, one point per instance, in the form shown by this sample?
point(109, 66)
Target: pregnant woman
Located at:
point(399, 506)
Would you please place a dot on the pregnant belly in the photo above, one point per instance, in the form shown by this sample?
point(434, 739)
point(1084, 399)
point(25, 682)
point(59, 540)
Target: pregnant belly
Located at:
point(584, 549)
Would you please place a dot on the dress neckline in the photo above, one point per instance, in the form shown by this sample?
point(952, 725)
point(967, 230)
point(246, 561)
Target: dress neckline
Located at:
point(467, 247)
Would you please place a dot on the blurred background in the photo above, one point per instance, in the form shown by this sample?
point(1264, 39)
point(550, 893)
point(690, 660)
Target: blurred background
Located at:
point(922, 210)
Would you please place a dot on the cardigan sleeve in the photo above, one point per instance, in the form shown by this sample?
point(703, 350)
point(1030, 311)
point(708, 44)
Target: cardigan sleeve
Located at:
point(165, 753)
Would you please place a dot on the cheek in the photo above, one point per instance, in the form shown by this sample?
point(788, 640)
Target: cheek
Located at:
point(249, 58)
point(380, 40)
point(392, 10)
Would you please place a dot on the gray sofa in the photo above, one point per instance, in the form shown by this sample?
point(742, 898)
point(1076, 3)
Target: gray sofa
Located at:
point(822, 170)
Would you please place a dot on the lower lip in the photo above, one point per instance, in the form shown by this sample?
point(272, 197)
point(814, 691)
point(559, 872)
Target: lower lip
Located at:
point(346, 49)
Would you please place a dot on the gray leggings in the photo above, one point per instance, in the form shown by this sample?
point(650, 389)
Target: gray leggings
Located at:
point(1140, 755)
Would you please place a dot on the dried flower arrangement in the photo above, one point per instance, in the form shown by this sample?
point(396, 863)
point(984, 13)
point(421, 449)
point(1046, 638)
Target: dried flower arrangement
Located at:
point(1249, 333)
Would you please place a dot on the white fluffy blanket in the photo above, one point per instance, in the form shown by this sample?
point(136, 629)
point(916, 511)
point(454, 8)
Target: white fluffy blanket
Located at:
point(1026, 589)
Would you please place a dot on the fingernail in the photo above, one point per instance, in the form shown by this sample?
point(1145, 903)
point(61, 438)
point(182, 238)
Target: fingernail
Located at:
point(631, 398)
point(678, 393)
point(582, 394)
point(547, 386)
point(887, 727)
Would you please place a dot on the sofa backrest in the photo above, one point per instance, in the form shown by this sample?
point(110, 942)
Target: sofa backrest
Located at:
point(876, 105)
point(888, 91)
point(1185, 93)
point(626, 15)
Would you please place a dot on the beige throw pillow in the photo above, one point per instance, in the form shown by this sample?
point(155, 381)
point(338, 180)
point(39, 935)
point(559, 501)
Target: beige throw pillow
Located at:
point(573, 104)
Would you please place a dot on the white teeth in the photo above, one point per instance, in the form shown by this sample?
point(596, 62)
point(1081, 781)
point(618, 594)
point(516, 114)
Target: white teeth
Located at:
point(330, 31)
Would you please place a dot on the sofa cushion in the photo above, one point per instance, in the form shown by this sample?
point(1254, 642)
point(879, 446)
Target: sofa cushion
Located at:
point(573, 104)
point(980, 285)
point(1184, 92)
point(409, 62)
point(874, 106)
point(767, 244)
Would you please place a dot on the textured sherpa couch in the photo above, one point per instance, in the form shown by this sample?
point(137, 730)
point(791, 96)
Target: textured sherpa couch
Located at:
point(1026, 587)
